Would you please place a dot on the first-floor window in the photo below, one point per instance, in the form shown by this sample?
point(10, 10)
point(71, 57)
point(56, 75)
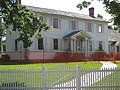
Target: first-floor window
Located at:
point(16, 43)
point(55, 43)
point(90, 45)
point(40, 44)
point(118, 48)
point(4, 48)
point(100, 46)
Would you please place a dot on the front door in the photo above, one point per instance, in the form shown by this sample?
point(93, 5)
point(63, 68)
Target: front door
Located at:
point(80, 45)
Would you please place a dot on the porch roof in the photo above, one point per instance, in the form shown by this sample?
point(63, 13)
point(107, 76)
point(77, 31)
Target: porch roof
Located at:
point(77, 33)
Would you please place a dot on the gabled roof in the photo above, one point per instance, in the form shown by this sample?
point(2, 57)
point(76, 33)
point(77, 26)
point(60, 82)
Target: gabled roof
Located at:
point(77, 33)
point(63, 13)
point(113, 35)
point(71, 34)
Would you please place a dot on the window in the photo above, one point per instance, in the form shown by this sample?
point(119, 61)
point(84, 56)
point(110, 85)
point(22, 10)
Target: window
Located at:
point(90, 45)
point(16, 43)
point(4, 48)
point(55, 22)
point(100, 46)
point(118, 48)
point(100, 28)
point(73, 25)
point(0, 19)
point(89, 27)
point(55, 42)
point(40, 44)
point(41, 18)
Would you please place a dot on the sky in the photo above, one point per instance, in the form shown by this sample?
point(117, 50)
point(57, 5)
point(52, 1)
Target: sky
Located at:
point(68, 5)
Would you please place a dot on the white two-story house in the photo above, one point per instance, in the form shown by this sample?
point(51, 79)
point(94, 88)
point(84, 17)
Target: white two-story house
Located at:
point(71, 32)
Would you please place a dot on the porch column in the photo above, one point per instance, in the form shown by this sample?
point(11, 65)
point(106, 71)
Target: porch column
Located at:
point(86, 45)
point(72, 45)
point(75, 45)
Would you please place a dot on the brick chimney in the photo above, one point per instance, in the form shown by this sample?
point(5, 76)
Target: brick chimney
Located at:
point(91, 12)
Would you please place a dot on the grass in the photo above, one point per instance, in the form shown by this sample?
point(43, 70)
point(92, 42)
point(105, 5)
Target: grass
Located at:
point(52, 65)
point(110, 80)
point(52, 78)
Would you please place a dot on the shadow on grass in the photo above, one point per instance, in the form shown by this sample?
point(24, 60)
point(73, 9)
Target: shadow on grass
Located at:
point(14, 62)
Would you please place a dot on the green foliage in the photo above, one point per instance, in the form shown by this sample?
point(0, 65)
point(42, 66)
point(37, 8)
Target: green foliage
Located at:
point(82, 5)
point(112, 7)
point(22, 20)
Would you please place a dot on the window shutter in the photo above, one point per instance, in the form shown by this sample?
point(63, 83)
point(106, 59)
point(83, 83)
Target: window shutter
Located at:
point(97, 45)
point(70, 27)
point(51, 43)
point(102, 28)
point(77, 26)
point(60, 44)
point(59, 24)
point(86, 27)
point(93, 27)
point(51, 21)
point(45, 19)
point(103, 44)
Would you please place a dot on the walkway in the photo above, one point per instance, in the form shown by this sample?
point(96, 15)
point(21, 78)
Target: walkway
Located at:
point(90, 78)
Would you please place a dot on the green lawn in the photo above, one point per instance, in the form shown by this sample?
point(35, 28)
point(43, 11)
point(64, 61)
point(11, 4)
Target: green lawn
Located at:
point(51, 77)
point(110, 80)
point(52, 65)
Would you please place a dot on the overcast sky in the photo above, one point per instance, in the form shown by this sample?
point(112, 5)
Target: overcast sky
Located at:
point(67, 5)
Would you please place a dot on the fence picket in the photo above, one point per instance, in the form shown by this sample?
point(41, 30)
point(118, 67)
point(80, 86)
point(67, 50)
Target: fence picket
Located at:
point(65, 79)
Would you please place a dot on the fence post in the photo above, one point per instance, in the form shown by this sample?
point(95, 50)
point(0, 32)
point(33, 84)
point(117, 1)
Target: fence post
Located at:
point(78, 78)
point(43, 78)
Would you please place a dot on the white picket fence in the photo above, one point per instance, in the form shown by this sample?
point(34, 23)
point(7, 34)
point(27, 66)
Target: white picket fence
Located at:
point(60, 79)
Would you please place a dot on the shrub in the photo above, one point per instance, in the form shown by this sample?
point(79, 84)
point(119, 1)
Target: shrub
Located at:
point(6, 57)
point(14, 84)
point(100, 56)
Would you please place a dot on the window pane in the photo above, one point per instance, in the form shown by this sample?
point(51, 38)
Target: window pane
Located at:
point(55, 41)
point(89, 27)
point(40, 44)
point(90, 45)
point(41, 18)
point(100, 28)
point(73, 25)
point(55, 22)
point(100, 46)
point(4, 48)
point(16, 45)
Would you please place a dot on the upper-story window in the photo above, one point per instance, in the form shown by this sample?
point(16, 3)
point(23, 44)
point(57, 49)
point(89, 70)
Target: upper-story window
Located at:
point(74, 25)
point(55, 23)
point(100, 29)
point(89, 27)
point(40, 44)
point(41, 18)
point(55, 43)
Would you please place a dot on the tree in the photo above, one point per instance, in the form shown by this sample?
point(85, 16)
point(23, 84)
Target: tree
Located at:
point(112, 7)
point(22, 20)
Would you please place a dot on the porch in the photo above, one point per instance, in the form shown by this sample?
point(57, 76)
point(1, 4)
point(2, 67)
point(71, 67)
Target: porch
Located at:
point(78, 41)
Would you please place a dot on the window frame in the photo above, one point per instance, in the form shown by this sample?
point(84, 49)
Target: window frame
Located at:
point(100, 45)
point(40, 44)
point(16, 44)
point(100, 28)
point(55, 22)
point(89, 25)
point(74, 25)
point(55, 44)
